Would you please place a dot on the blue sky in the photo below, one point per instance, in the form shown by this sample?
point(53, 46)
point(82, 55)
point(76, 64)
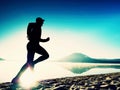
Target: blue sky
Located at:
point(99, 19)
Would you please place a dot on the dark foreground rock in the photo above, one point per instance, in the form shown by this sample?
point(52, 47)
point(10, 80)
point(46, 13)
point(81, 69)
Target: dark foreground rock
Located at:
point(91, 82)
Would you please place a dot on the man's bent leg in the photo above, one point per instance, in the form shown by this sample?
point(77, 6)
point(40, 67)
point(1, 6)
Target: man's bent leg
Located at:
point(42, 52)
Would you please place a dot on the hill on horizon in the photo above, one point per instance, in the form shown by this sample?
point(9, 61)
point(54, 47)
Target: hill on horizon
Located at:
point(82, 58)
point(1, 59)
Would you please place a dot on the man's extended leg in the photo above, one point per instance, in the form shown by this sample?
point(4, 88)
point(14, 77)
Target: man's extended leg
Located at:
point(40, 50)
point(29, 63)
point(16, 78)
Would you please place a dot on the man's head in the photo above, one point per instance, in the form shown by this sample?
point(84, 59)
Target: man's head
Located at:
point(39, 20)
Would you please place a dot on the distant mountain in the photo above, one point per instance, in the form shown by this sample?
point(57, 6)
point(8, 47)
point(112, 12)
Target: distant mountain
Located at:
point(1, 59)
point(79, 57)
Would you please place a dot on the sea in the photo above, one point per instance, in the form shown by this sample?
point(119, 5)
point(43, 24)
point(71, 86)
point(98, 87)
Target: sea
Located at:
point(50, 70)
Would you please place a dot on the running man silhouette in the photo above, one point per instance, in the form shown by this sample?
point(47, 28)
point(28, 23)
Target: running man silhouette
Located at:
point(34, 32)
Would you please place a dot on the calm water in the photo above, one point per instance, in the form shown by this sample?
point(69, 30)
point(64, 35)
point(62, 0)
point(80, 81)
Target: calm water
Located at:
point(47, 70)
point(92, 68)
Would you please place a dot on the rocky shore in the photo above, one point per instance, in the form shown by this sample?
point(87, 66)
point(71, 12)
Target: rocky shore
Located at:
point(109, 81)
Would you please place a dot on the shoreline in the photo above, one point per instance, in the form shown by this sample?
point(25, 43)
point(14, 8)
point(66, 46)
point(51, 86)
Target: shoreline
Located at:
point(109, 81)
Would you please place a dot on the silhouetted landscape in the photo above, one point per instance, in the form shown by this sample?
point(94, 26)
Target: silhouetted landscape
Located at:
point(82, 58)
point(91, 27)
point(79, 63)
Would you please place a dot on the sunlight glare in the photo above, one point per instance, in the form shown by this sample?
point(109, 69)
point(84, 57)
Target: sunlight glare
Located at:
point(28, 79)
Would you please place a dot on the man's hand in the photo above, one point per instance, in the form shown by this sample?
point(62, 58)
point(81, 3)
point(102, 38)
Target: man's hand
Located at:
point(45, 40)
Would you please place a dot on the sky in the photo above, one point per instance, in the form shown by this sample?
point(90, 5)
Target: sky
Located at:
point(91, 27)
